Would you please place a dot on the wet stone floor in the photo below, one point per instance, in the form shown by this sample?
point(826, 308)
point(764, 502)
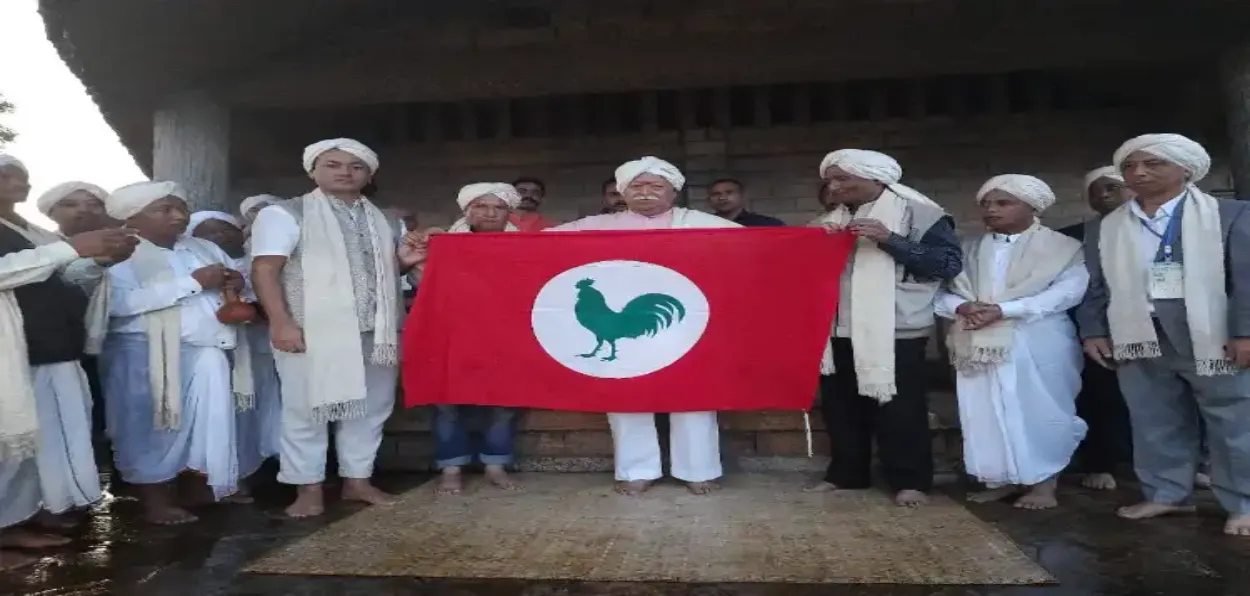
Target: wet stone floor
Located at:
point(1082, 544)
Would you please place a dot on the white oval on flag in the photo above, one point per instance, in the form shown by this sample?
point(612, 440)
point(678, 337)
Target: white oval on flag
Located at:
point(650, 314)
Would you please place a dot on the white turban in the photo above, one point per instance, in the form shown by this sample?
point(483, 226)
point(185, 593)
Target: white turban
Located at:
point(648, 165)
point(129, 200)
point(251, 202)
point(352, 146)
point(9, 160)
point(876, 166)
point(1032, 191)
point(200, 217)
point(48, 200)
point(1172, 147)
point(506, 192)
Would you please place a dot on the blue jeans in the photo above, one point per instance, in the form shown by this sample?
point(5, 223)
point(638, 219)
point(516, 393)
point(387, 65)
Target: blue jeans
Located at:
point(452, 445)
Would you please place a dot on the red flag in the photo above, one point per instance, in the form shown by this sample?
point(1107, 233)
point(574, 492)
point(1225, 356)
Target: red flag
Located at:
point(624, 321)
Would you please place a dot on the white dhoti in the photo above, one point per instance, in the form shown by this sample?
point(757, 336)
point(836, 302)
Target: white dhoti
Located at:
point(694, 446)
point(204, 441)
point(19, 491)
point(304, 441)
point(258, 429)
point(68, 476)
point(1019, 418)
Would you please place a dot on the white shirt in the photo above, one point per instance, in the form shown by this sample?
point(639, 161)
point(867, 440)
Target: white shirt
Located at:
point(1148, 240)
point(198, 308)
point(1065, 292)
point(276, 232)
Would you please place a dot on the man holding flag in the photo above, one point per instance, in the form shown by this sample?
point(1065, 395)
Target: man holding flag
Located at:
point(649, 187)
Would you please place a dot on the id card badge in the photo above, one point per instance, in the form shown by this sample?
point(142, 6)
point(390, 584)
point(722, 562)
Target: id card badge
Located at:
point(1167, 281)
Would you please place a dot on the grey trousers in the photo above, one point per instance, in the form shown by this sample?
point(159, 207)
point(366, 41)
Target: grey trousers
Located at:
point(1167, 403)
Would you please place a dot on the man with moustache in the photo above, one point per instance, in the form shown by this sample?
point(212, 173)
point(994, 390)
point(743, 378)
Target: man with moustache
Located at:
point(727, 196)
point(1169, 306)
point(526, 216)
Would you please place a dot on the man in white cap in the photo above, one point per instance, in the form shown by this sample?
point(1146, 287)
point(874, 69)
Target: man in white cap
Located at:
point(1109, 443)
point(326, 270)
point(46, 459)
point(650, 186)
point(906, 247)
point(1013, 345)
point(75, 207)
point(250, 207)
point(1169, 307)
point(256, 429)
point(487, 207)
point(168, 383)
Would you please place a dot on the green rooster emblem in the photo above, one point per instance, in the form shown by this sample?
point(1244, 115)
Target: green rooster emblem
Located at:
point(645, 315)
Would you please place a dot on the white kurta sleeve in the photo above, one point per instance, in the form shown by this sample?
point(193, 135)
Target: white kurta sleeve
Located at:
point(945, 303)
point(127, 298)
point(34, 265)
point(85, 273)
point(1061, 295)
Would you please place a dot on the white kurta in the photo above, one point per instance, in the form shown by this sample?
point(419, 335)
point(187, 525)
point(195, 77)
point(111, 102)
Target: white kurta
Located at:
point(1019, 418)
point(259, 428)
point(205, 439)
point(694, 437)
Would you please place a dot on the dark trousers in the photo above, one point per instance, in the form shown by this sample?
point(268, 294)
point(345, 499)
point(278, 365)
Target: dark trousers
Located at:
point(1109, 442)
point(901, 426)
point(99, 431)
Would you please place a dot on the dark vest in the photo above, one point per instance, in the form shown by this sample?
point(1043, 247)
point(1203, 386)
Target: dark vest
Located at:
point(53, 311)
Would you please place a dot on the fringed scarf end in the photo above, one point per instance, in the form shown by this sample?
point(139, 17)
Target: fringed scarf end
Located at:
point(1138, 351)
point(336, 412)
point(385, 354)
point(1216, 367)
point(883, 392)
point(244, 402)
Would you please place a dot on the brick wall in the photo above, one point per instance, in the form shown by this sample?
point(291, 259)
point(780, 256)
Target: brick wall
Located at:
point(944, 158)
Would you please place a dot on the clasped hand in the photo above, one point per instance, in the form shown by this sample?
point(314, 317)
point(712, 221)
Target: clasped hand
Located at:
point(978, 315)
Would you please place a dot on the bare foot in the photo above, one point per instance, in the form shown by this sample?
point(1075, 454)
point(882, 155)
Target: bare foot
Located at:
point(450, 482)
point(993, 494)
point(22, 538)
point(12, 560)
point(194, 490)
point(632, 487)
point(701, 488)
point(1202, 481)
point(1147, 510)
point(910, 498)
point(363, 491)
point(1040, 496)
point(498, 476)
point(309, 502)
point(1100, 481)
point(821, 487)
point(56, 522)
point(1238, 525)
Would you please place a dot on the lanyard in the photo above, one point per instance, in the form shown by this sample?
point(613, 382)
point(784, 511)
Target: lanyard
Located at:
point(1170, 234)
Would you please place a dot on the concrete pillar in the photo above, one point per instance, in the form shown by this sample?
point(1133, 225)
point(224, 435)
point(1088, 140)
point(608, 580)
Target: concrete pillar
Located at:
point(1235, 80)
point(191, 146)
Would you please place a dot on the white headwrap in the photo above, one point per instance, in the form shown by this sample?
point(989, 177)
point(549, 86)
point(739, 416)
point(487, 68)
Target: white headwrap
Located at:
point(129, 200)
point(1110, 172)
point(352, 146)
point(1031, 190)
point(648, 165)
point(506, 192)
point(49, 199)
point(1175, 148)
point(251, 202)
point(200, 217)
point(876, 166)
point(9, 160)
